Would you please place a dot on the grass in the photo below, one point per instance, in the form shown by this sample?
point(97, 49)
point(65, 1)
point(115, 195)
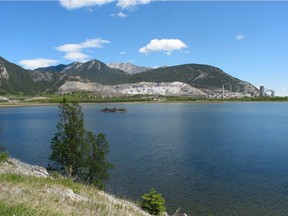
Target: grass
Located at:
point(28, 195)
point(22, 210)
point(15, 178)
point(88, 97)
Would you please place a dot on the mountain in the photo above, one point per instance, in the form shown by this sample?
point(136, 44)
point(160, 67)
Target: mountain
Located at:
point(94, 70)
point(15, 79)
point(128, 68)
point(58, 68)
point(4, 76)
point(205, 78)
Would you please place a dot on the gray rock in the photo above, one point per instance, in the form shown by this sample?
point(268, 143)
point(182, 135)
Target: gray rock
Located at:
point(21, 168)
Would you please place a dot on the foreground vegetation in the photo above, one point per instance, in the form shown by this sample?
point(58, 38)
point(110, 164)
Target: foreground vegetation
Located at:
point(153, 203)
point(30, 195)
point(3, 154)
point(79, 154)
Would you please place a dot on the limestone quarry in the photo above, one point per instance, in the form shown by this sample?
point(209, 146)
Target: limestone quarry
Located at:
point(141, 88)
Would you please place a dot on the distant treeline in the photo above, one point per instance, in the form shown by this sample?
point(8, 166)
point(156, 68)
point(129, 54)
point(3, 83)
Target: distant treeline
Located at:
point(87, 97)
point(244, 99)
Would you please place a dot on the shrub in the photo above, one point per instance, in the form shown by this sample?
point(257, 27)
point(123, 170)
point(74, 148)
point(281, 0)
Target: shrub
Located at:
point(3, 155)
point(153, 203)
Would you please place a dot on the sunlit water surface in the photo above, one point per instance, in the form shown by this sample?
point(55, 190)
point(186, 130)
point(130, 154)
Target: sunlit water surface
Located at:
point(220, 159)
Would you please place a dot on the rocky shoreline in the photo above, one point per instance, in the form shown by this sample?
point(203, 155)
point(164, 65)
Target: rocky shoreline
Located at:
point(20, 168)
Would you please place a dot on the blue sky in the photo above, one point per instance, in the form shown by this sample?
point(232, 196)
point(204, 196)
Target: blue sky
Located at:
point(248, 40)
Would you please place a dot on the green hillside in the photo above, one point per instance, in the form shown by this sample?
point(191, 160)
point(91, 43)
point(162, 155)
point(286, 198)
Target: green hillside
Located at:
point(21, 80)
point(197, 75)
point(49, 79)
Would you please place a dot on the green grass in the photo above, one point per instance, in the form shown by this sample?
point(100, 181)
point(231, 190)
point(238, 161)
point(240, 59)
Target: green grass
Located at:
point(88, 97)
point(22, 210)
point(65, 182)
point(12, 178)
point(80, 97)
point(28, 195)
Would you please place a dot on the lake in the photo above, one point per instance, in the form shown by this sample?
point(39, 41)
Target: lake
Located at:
point(218, 158)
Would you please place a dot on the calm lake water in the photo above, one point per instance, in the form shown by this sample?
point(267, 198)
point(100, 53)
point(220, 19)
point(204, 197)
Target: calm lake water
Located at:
point(221, 159)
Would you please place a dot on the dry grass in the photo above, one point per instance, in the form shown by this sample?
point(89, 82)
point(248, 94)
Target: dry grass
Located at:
point(30, 195)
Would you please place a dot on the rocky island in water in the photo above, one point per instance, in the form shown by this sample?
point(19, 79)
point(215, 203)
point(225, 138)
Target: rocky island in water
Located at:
point(113, 110)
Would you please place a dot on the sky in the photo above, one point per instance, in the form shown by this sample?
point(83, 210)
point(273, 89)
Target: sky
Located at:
point(246, 39)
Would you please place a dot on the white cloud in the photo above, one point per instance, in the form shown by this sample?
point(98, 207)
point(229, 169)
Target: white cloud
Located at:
point(76, 56)
point(36, 63)
point(120, 14)
point(123, 4)
point(123, 53)
point(89, 43)
point(126, 4)
point(166, 45)
point(69, 48)
point(240, 37)
point(74, 4)
point(74, 52)
point(94, 43)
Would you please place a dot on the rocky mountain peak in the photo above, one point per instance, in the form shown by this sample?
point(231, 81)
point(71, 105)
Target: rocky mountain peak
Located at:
point(128, 67)
point(86, 66)
point(3, 72)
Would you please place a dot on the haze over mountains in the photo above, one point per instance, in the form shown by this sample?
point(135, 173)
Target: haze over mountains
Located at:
point(119, 79)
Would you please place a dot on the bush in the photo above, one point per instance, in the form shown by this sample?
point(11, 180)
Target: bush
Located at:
point(3, 155)
point(153, 203)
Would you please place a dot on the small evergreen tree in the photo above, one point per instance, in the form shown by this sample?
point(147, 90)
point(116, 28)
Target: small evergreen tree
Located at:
point(68, 144)
point(98, 166)
point(153, 203)
point(3, 154)
point(79, 154)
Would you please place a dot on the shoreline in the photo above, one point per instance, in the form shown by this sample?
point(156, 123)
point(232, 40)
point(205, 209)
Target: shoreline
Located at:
point(8, 105)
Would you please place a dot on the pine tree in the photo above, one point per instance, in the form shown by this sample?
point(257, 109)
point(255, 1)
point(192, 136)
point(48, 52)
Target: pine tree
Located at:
point(79, 154)
point(98, 166)
point(153, 203)
point(68, 144)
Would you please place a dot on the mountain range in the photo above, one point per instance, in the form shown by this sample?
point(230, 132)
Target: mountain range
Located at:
point(128, 67)
point(209, 80)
